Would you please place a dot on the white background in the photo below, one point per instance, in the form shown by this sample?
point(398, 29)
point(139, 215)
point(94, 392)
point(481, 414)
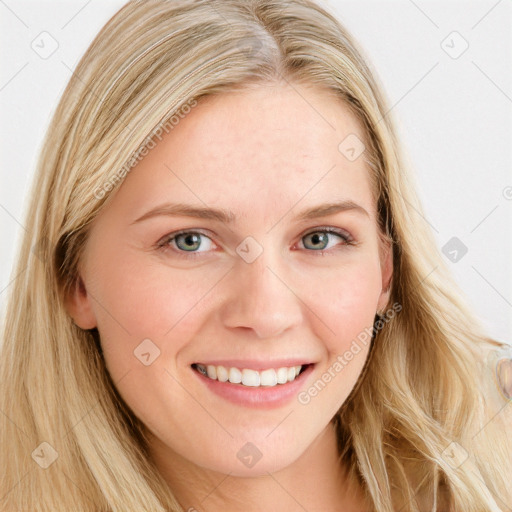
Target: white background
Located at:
point(454, 117)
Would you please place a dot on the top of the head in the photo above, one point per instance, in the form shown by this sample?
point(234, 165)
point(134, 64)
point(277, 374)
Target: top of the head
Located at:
point(153, 57)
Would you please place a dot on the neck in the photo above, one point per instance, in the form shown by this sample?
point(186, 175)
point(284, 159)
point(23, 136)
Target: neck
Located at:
point(315, 481)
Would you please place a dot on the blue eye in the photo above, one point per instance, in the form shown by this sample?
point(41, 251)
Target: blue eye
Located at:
point(186, 241)
point(320, 238)
point(189, 244)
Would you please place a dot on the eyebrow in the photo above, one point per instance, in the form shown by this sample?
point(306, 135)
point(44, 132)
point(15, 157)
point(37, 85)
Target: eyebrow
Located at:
point(228, 217)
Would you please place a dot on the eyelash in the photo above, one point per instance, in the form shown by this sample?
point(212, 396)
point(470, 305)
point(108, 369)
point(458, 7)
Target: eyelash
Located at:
point(164, 244)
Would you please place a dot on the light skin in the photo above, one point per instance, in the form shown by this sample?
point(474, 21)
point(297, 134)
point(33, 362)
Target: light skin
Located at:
point(265, 154)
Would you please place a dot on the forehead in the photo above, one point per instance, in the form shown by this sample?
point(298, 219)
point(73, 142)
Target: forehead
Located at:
point(255, 150)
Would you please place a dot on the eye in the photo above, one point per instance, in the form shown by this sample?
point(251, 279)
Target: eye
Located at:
point(189, 244)
point(321, 238)
point(186, 242)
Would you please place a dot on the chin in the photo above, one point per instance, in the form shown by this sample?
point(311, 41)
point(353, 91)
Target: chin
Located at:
point(252, 459)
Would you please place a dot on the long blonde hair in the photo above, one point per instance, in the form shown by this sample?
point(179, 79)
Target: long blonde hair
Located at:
point(427, 397)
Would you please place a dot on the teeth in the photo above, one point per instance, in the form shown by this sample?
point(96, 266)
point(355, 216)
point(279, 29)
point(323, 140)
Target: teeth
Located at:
point(282, 375)
point(222, 374)
point(251, 378)
point(268, 377)
point(235, 376)
point(211, 371)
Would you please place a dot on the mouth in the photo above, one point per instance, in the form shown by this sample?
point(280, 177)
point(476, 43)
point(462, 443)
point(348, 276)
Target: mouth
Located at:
point(246, 377)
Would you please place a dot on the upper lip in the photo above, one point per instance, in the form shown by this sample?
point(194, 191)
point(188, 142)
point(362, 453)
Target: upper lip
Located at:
point(257, 365)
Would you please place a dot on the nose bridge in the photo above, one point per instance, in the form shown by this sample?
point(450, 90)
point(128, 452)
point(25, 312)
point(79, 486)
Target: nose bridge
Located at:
point(261, 299)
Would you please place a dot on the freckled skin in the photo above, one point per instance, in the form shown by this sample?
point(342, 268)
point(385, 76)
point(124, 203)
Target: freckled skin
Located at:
point(265, 154)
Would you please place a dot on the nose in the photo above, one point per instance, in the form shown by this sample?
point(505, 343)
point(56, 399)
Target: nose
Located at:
point(262, 298)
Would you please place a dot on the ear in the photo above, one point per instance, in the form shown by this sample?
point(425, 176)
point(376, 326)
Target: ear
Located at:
point(386, 265)
point(78, 305)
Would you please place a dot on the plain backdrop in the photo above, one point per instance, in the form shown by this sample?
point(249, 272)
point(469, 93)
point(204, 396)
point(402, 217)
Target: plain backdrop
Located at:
point(446, 70)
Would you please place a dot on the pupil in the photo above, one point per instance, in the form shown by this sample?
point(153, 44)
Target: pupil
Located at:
point(317, 238)
point(191, 240)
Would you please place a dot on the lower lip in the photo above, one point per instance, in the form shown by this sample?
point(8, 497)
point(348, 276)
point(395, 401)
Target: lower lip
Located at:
point(263, 397)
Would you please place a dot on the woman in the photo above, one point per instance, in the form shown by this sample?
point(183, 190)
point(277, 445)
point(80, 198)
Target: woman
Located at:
point(227, 304)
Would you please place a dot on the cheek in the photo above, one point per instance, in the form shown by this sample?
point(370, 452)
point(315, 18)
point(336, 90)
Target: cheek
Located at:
point(344, 300)
point(138, 290)
point(138, 299)
point(346, 308)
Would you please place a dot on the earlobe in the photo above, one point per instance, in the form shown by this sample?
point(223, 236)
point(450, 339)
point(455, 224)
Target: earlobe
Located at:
point(79, 307)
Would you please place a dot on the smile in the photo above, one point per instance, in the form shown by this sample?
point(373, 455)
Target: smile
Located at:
point(252, 378)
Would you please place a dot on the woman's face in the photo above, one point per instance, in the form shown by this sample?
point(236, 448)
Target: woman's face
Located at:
point(263, 289)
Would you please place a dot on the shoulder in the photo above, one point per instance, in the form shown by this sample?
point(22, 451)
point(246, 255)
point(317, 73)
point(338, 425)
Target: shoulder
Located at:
point(496, 396)
point(498, 369)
